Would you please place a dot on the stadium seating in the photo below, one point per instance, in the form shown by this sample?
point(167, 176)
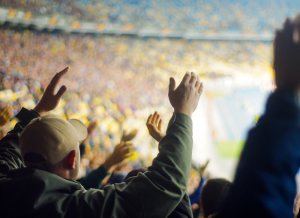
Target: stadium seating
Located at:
point(216, 15)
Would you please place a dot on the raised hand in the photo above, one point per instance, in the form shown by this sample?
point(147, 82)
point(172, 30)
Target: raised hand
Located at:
point(129, 136)
point(5, 115)
point(154, 126)
point(286, 54)
point(203, 168)
point(51, 98)
point(121, 152)
point(91, 129)
point(92, 126)
point(185, 97)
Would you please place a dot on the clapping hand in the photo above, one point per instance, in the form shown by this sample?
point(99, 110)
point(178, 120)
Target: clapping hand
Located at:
point(129, 136)
point(93, 125)
point(50, 98)
point(154, 126)
point(121, 152)
point(185, 97)
point(5, 115)
point(90, 129)
point(203, 168)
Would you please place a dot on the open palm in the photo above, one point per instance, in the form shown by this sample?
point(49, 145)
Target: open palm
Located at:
point(50, 98)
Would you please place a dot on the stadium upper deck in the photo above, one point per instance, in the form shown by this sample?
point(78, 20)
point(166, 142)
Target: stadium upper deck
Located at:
point(245, 16)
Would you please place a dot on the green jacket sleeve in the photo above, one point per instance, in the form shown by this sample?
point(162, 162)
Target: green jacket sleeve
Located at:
point(94, 178)
point(154, 193)
point(10, 155)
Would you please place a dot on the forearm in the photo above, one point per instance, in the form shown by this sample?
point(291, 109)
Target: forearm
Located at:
point(154, 193)
point(170, 170)
point(108, 164)
point(175, 149)
point(265, 178)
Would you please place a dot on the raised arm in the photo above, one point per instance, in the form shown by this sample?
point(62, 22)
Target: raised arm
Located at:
point(10, 156)
point(265, 185)
point(158, 191)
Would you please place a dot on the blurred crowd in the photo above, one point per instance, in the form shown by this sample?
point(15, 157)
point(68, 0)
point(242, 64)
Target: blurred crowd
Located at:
point(101, 98)
point(96, 62)
point(115, 82)
point(97, 94)
point(251, 17)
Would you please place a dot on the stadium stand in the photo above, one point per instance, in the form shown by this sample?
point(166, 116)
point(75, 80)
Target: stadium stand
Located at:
point(227, 15)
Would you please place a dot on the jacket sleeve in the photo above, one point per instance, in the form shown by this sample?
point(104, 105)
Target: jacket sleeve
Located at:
point(154, 193)
point(10, 155)
point(183, 209)
point(264, 185)
point(94, 178)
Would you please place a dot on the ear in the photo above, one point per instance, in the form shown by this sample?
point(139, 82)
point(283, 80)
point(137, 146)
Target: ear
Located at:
point(70, 160)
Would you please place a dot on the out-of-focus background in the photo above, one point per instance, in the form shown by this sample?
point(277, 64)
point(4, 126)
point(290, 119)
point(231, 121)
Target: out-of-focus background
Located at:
point(121, 54)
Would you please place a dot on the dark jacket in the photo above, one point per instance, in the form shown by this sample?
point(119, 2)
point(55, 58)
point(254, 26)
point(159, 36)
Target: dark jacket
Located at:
point(29, 192)
point(183, 209)
point(264, 185)
point(94, 179)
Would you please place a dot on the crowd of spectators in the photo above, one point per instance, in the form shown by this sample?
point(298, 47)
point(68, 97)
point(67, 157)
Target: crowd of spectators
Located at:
point(109, 108)
point(97, 62)
point(26, 63)
point(251, 17)
point(104, 101)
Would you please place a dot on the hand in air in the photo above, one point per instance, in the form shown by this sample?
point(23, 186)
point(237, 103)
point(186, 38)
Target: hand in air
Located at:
point(129, 136)
point(51, 98)
point(5, 115)
point(185, 97)
point(92, 126)
point(286, 54)
point(121, 152)
point(154, 126)
point(203, 168)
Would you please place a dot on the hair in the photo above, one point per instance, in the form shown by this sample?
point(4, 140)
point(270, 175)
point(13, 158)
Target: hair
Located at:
point(213, 194)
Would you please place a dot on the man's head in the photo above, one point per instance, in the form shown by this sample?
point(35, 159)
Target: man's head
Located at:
point(51, 143)
point(213, 195)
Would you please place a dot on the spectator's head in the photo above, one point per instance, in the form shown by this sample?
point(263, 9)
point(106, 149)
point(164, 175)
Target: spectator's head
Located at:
point(287, 54)
point(51, 143)
point(213, 194)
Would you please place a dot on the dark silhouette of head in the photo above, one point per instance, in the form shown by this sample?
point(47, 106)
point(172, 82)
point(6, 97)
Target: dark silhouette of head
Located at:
point(213, 194)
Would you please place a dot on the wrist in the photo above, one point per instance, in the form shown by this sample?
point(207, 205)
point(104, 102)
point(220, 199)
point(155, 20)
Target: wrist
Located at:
point(159, 137)
point(181, 111)
point(107, 164)
point(39, 111)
